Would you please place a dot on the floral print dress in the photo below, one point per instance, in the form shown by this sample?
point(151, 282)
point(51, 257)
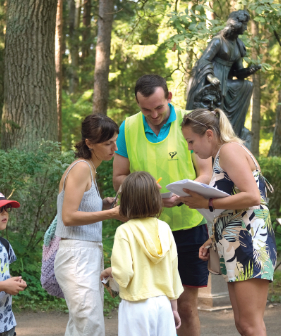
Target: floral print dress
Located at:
point(244, 238)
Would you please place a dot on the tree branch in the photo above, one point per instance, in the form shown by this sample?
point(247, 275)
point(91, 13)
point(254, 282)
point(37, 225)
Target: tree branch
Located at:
point(277, 37)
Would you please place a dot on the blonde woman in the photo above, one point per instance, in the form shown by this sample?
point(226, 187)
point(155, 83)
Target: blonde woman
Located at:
point(243, 233)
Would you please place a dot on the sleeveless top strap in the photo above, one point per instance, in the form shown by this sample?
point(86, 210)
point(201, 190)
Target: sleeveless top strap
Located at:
point(73, 166)
point(268, 185)
point(251, 155)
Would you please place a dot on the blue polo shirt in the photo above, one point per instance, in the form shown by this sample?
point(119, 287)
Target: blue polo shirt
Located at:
point(150, 135)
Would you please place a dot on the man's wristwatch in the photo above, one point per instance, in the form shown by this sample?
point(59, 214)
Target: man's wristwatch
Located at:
point(211, 206)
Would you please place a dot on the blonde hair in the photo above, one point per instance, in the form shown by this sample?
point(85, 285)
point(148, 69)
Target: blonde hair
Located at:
point(140, 196)
point(200, 120)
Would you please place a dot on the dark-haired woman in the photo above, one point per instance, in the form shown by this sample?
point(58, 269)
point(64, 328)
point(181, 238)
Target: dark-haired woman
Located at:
point(81, 211)
point(243, 233)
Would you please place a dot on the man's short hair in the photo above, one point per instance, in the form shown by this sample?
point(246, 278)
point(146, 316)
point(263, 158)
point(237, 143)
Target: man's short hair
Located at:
point(147, 84)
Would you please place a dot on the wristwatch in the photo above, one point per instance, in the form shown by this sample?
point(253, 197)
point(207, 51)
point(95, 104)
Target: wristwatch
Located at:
point(211, 206)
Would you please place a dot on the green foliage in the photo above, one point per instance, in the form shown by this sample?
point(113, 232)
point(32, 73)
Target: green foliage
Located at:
point(271, 169)
point(32, 178)
point(74, 110)
point(104, 180)
point(108, 232)
point(274, 294)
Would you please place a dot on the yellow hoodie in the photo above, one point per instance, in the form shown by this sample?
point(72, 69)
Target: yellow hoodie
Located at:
point(136, 265)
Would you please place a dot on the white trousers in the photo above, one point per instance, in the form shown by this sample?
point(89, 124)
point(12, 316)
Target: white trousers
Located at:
point(78, 265)
point(151, 317)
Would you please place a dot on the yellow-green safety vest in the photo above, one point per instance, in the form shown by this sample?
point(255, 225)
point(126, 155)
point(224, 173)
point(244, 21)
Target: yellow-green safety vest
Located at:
point(169, 159)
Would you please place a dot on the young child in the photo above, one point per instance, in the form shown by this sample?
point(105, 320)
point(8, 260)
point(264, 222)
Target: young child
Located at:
point(144, 263)
point(8, 286)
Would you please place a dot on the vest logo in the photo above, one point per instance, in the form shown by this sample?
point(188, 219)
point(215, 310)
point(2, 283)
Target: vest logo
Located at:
point(172, 155)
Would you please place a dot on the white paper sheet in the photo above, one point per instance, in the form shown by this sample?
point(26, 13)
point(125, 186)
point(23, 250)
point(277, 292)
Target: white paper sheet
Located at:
point(167, 194)
point(202, 189)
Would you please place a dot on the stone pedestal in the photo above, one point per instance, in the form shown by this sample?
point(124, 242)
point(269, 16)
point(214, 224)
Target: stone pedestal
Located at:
point(215, 295)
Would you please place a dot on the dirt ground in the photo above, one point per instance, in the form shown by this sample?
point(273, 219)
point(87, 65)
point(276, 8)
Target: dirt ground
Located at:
point(212, 323)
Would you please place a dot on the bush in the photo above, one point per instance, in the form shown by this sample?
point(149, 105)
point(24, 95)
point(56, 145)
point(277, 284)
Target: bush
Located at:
point(271, 169)
point(32, 178)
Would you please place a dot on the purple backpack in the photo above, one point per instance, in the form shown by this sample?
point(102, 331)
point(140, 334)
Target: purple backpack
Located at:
point(50, 248)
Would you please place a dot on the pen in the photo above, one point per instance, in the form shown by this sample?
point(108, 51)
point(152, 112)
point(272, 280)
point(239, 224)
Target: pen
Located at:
point(160, 178)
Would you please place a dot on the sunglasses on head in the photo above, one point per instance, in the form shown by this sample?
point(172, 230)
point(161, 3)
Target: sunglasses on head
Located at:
point(7, 208)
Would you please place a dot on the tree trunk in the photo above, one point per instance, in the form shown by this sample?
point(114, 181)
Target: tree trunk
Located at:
point(256, 106)
point(275, 148)
point(58, 60)
point(3, 7)
point(86, 36)
point(30, 112)
point(74, 23)
point(103, 56)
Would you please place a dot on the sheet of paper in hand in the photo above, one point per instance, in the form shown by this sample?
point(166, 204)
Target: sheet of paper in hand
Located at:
point(202, 189)
point(167, 194)
point(111, 285)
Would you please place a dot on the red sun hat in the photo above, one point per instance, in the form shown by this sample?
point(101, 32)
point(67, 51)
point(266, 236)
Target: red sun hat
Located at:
point(4, 201)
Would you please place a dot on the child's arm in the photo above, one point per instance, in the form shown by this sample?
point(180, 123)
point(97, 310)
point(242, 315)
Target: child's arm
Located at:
point(106, 273)
point(13, 285)
point(177, 318)
point(121, 259)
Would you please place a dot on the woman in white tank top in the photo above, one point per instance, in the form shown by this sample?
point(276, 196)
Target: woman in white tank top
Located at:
point(81, 210)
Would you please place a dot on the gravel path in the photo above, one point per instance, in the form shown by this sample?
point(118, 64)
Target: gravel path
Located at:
point(212, 323)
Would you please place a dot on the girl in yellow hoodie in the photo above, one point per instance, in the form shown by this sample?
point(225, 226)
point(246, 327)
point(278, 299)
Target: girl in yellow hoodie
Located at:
point(144, 263)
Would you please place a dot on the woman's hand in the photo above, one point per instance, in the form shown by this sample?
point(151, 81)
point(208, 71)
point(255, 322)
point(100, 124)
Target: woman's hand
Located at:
point(106, 273)
point(194, 201)
point(204, 253)
point(116, 214)
point(107, 203)
point(213, 80)
point(254, 68)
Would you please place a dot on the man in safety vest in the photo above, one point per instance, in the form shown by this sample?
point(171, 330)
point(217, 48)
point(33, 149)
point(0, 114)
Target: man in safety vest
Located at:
point(152, 141)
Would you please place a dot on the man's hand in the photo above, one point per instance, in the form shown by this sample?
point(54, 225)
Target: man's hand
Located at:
point(171, 202)
point(13, 285)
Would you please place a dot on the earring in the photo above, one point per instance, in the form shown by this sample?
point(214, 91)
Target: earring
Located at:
point(90, 149)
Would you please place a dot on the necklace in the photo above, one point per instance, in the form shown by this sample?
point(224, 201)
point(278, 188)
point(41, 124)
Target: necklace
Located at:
point(93, 166)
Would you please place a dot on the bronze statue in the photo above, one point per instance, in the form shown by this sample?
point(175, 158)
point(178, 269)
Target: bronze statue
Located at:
point(221, 61)
point(208, 97)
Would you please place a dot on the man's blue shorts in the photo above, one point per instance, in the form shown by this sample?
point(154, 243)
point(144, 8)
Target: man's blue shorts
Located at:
point(193, 271)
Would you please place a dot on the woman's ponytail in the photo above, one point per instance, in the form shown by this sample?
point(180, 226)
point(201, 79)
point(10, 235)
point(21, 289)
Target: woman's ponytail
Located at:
point(82, 150)
point(201, 119)
point(226, 131)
